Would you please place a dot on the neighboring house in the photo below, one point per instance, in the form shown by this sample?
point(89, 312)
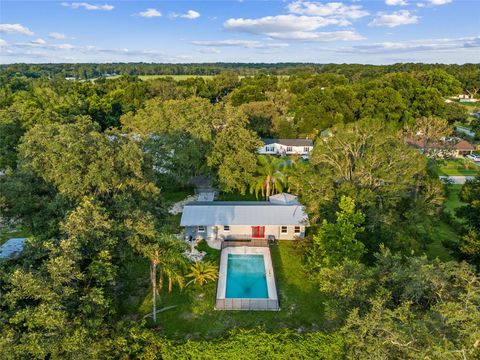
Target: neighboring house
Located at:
point(455, 147)
point(465, 98)
point(282, 217)
point(284, 147)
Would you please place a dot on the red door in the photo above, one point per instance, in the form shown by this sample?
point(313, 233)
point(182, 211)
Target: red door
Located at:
point(258, 232)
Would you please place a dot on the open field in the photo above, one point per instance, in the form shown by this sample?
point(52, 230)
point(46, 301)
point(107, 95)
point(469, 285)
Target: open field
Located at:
point(174, 77)
point(183, 77)
point(190, 312)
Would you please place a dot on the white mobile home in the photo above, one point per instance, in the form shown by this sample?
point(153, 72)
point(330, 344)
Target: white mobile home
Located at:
point(282, 218)
point(284, 147)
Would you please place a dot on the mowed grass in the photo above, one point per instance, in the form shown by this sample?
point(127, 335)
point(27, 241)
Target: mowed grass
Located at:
point(12, 232)
point(444, 233)
point(452, 200)
point(190, 313)
point(457, 167)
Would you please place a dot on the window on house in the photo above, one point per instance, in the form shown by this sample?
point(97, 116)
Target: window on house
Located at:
point(289, 149)
point(297, 229)
point(284, 230)
point(306, 149)
point(226, 228)
point(201, 229)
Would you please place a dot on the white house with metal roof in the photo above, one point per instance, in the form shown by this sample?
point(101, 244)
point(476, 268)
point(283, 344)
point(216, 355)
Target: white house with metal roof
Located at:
point(284, 147)
point(282, 217)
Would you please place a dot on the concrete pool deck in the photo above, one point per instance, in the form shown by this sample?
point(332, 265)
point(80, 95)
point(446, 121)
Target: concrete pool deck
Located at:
point(224, 303)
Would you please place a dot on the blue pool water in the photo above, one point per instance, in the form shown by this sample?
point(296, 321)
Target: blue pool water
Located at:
point(246, 277)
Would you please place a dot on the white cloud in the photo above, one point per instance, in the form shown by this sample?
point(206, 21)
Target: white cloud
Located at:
point(149, 13)
point(3, 42)
point(209, 51)
point(15, 29)
point(396, 2)
point(191, 14)
point(402, 17)
point(63, 46)
point(42, 44)
point(250, 44)
point(281, 24)
point(292, 27)
point(424, 45)
point(57, 35)
point(38, 42)
point(87, 6)
point(430, 3)
point(332, 9)
point(439, 2)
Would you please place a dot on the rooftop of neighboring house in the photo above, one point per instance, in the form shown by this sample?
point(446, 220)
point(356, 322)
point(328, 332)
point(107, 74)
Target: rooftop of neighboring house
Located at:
point(288, 142)
point(455, 143)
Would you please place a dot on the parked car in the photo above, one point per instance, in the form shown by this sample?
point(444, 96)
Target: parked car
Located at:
point(474, 157)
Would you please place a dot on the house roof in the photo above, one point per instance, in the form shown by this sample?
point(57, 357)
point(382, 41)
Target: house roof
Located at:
point(461, 144)
point(242, 213)
point(288, 142)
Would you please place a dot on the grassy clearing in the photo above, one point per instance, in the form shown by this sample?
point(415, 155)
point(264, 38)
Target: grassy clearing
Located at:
point(174, 77)
point(457, 167)
point(12, 232)
point(185, 77)
point(453, 198)
point(171, 197)
point(470, 105)
point(446, 233)
point(193, 314)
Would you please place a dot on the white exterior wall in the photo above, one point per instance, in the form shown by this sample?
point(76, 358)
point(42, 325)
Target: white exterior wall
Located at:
point(282, 149)
point(245, 232)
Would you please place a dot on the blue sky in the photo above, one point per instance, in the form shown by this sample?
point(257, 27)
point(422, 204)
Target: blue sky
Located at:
point(352, 31)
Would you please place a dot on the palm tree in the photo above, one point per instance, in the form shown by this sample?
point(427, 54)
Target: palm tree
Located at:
point(201, 273)
point(165, 254)
point(270, 176)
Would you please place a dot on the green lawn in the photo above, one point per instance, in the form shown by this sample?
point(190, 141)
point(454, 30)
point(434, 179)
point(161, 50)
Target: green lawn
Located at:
point(453, 201)
point(171, 197)
point(457, 167)
point(191, 312)
point(470, 104)
point(12, 232)
point(446, 233)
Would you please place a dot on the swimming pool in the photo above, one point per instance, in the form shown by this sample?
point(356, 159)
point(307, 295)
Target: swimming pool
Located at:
point(246, 277)
point(246, 280)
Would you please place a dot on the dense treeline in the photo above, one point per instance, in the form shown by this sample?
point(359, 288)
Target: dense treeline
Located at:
point(88, 166)
point(351, 71)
